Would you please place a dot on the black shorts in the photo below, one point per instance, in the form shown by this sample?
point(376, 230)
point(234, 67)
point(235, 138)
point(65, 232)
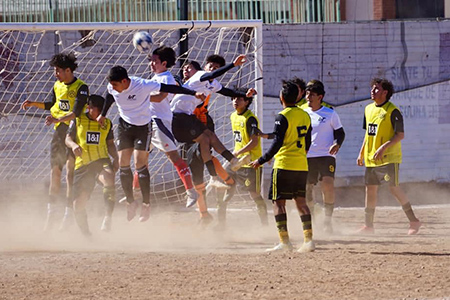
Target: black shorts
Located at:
point(248, 178)
point(195, 161)
point(382, 174)
point(133, 136)
point(320, 167)
point(186, 128)
point(59, 153)
point(84, 178)
point(286, 184)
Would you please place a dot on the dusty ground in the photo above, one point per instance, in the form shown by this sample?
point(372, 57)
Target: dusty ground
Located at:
point(170, 257)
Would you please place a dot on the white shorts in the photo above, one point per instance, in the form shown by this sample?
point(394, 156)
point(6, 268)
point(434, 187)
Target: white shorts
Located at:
point(162, 137)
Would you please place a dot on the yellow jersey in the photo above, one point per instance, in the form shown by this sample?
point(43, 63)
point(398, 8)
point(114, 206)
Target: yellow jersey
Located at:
point(379, 130)
point(292, 154)
point(65, 95)
point(242, 131)
point(92, 139)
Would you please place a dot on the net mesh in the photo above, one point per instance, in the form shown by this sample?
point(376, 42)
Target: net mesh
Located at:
point(26, 75)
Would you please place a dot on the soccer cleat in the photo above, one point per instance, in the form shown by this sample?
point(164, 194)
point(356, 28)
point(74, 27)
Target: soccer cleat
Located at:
point(131, 210)
point(191, 197)
point(281, 247)
point(365, 230)
point(214, 182)
point(414, 227)
point(106, 224)
point(145, 212)
point(236, 164)
point(307, 247)
point(229, 193)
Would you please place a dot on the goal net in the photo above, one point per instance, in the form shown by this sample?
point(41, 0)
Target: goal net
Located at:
point(25, 74)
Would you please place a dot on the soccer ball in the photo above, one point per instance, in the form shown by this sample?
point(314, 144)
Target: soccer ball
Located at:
point(142, 41)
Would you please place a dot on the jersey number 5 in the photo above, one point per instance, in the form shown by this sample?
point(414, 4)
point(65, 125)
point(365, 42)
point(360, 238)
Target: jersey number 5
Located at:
point(301, 131)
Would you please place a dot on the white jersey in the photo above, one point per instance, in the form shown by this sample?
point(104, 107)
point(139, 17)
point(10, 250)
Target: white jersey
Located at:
point(323, 122)
point(161, 110)
point(187, 103)
point(133, 103)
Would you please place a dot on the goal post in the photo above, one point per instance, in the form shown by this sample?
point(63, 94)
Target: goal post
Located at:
point(25, 74)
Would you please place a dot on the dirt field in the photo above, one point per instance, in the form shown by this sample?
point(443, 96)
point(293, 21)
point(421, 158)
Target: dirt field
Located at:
point(170, 257)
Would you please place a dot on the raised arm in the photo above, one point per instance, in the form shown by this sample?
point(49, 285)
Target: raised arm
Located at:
point(41, 105)
point(239, 61)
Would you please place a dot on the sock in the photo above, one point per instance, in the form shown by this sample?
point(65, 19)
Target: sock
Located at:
point(262, 210)
point(227, 155)
point(68, 211)
point(126, 180)
point(109, 196)
point(409, 212)
point(81, 218)
point(201, 203)
point(184, 172)
point(221, 207)
point(210, 167)
point(307, 227)
point(369, 214)
point(136, 181)
point(329, 207)
point(223, 174)
point(281, 221)
point(69, 198)
point(52, 199)
point(144, 182)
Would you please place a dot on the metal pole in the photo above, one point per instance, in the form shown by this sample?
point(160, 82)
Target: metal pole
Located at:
point(184, 44)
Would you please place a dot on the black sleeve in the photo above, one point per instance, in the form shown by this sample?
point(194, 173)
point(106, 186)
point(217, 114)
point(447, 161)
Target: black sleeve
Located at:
point(339, 135)
point(81, 100)
point(364, 123)
point(72, 131)
point(49, 104)
point(109, 101)
point(251, 125)
point(216, 73)
point(175, 89)
point(397, 121)
point(308, 139)
point(231, 93)
point(281, 126)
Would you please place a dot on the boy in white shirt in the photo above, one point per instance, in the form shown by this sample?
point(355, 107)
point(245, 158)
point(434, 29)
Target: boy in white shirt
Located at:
point(132, 96)
point(326, 139)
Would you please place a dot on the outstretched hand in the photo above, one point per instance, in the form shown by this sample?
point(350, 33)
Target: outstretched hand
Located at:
point(251, 92)
point(26, 104)
point(240, 60)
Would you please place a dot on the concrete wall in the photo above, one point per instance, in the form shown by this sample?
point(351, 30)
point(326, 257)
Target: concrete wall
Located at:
point(345, 57)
